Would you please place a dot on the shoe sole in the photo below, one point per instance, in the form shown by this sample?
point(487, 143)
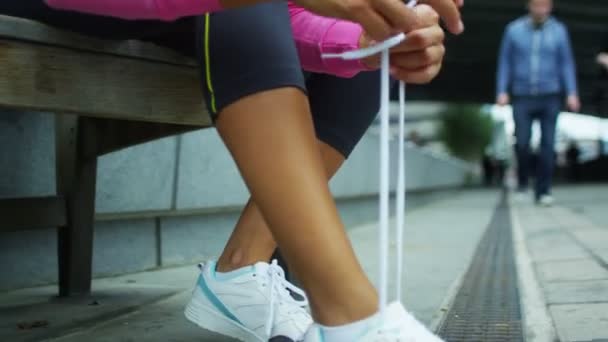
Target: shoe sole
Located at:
point(210, 319)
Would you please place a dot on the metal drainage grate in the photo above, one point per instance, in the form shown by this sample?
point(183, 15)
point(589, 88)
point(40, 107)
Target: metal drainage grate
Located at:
point(486, 308)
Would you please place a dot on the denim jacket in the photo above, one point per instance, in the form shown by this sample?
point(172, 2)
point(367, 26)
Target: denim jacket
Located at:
point(536, 60)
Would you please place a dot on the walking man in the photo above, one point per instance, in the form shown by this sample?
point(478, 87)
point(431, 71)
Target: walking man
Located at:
point(536, 69)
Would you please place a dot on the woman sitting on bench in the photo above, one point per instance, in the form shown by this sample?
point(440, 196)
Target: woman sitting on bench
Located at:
point(289, 133)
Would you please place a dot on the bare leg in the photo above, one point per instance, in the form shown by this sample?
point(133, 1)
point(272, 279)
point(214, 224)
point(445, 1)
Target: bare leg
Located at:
point(251, 241)
point(278, 156)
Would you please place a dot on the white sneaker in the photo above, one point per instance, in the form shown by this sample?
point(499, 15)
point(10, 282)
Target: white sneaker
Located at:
point(397, 326)
point(250, 304)
point(546, 201)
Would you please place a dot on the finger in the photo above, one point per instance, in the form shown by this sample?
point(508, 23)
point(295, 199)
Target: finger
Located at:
point(421, 39)
point(419, 59)
point(459, 3)
point(374, 24)
point(450, 14)
point(400, 17)
point(427, 16)
point(420, 76)
point(373, 62)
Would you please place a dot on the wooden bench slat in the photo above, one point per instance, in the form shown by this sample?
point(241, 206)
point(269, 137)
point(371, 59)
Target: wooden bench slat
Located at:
point(114, 135)
point(32, 213)
point(32, 31)
point(45, 78)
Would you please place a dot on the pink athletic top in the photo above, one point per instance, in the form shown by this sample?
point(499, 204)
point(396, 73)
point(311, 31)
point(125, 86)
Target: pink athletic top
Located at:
point(313, 34)
point(139, 9)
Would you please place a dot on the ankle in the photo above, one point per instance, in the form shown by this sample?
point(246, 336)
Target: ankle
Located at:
point(238, 258)
point(231, 261)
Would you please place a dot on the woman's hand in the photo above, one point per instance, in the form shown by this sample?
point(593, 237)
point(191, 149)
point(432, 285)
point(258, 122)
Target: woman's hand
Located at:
point(420, 57)
point(381, 18)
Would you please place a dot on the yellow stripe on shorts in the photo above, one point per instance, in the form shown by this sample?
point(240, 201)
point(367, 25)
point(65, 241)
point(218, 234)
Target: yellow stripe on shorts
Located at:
point(208, 64)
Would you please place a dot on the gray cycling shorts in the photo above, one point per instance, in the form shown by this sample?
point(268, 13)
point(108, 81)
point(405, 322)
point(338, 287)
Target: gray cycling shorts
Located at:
point(250, 50)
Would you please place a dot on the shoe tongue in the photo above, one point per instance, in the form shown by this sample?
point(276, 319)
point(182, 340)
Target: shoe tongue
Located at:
point(396, 310)
point(261, 267)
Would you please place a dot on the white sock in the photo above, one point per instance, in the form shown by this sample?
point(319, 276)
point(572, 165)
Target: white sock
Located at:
point(348, 332)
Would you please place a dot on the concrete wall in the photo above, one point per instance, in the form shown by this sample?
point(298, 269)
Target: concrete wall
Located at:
point(166, 177)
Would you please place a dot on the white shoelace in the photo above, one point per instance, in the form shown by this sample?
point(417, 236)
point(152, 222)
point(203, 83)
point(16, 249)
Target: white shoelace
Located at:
point(281, 290)
point(384, 48)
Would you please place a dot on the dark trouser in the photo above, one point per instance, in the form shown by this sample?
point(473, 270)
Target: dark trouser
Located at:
point(525, 110)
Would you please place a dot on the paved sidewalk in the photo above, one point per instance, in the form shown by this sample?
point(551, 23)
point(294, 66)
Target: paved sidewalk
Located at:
point(568, 246)
point(440, 240)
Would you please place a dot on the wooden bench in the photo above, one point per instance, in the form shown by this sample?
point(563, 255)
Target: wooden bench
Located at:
point(106, 95)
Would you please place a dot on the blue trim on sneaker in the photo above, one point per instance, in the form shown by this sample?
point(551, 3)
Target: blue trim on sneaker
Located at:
point(202, 284)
